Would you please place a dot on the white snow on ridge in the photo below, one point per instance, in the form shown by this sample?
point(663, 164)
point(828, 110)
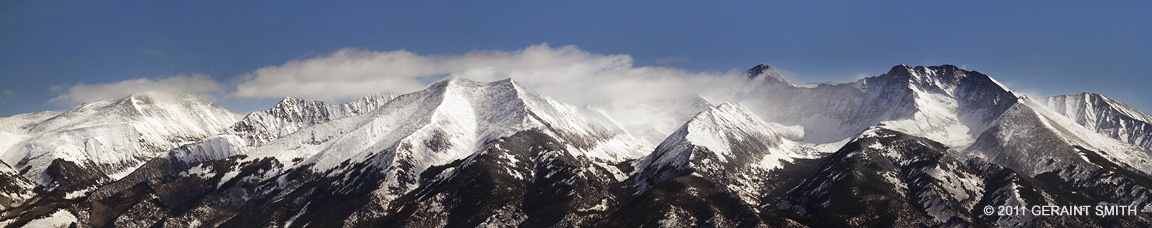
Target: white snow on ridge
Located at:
point(118, 135)
point(1104, 115)
point(286, 117)
point(13, 128)
point(943, 103)
point(937, 117)
point(712, 128)
point(719, 129)
point(291, 114)
point(729, 143)
point(213, 148)
point(463, 114)
point(1034, 140)
point(12, 131)
point(1113, 149)
point(60, 218)
point(449, 121)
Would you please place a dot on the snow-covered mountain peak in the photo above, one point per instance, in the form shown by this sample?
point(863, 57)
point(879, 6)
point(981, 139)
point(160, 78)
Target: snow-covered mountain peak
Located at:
point(152, 105)
point(290, 105)
point(292, 114)
point(725, 135)
point(943, 103)
point(758, 70)
point(18, 121)
point(448, 121)
point(151, 101)
point(454, 122)
point(471, 87)
point(507, 91)
point(767, 74)
point(512, 107)
point(944, 78)
point(949, 104)
point(14, 129)
point(109, 138)
point(726, 143)
point(900, 70)
point(457, 82)
point(730, 117)
point(291, 101)
point(906, 70)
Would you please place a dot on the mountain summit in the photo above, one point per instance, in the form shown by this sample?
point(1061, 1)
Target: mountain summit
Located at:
point(942, 102)
point(767, 74)
point(104, 140)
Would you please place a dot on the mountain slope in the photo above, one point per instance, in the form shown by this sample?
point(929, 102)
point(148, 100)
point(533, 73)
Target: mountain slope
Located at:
point(714, 171)
point(526, 179)
point(291, 114)
point(13, 129)
point(14, 189)
point(103, 140)
point(286, 117)
point(453, 121)
point(725, 138)
point(1027, 132)
point(1105, 116)
point(1074, 162)
point(889, 178)
point(359, 165)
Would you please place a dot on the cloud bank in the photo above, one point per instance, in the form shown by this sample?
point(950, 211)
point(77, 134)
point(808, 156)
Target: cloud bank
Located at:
point(191, 84)
point(638, 97)
point(565, 73)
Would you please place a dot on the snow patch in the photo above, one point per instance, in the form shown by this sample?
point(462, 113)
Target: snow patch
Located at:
point(60, 218)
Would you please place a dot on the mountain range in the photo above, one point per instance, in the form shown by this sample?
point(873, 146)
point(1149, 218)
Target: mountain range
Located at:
point(914, 147)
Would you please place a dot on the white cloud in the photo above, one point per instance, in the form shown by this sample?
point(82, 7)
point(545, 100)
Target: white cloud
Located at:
point(192, 84)
point(566, 73)
point(610, 82)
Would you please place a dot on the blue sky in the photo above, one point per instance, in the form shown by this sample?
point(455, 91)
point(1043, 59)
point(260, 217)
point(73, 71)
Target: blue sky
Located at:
point(1050, 48)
